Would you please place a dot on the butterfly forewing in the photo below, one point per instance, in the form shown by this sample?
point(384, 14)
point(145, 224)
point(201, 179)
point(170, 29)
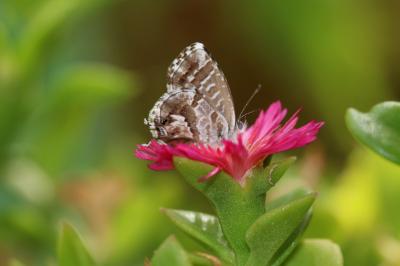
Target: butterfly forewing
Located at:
point(194, 68)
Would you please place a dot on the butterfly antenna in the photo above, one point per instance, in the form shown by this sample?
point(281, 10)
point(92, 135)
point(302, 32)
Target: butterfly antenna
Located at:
point(249, 100)
point(249, 113)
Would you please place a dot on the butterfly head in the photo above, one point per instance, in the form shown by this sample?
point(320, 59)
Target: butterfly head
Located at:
point(157, 130)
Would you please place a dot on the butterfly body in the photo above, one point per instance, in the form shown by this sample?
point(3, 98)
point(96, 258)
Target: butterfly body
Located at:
point(197, 106)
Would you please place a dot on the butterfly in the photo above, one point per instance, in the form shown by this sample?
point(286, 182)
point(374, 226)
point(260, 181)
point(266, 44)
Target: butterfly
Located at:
point(198, 105)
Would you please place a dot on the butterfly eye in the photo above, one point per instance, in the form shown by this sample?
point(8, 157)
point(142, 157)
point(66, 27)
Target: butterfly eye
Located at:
point(162, 132)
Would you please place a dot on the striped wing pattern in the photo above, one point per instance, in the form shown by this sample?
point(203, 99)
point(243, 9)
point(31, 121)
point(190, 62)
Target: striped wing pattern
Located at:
point(195, 69)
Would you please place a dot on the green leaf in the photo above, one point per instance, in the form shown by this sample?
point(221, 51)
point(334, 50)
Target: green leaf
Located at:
point(316, 252)
point(170, 253)
point(191, 171)
point(264, 179)
point(291, 243)
point(379, 129)
point(271, 231)
point(71, 250)
point(203, 227)
point(287, 198)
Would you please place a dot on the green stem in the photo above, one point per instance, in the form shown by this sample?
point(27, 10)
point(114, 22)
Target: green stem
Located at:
point(237, 207)
point(237, 211)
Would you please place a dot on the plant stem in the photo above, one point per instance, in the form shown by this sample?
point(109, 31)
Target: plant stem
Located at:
point(237, 211)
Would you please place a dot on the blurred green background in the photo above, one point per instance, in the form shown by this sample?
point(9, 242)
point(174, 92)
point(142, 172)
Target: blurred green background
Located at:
point(78, 77)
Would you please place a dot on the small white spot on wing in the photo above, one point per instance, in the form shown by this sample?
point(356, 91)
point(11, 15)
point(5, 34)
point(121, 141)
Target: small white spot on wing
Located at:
point(209, 87)
point(216, 94)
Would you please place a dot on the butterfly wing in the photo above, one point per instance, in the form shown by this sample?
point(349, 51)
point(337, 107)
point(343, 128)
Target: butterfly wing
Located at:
point(186, 116)
point(194, 69)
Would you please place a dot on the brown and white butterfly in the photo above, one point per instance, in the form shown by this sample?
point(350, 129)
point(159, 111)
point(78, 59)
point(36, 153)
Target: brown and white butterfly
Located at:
point(198, 105)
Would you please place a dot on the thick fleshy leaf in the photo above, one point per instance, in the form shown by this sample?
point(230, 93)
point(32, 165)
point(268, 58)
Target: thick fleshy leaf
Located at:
point(316, 252)
point(291, 243)
point(170, 253)
point(379, 129)
point(191, 171)
point(231, 202)
point(287, 198)
point(204, 228)
point(71, 250)
point(262, 179)
point(271, 231)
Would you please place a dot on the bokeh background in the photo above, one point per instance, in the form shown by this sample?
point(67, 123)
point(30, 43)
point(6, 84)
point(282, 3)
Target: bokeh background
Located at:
point(78, 77)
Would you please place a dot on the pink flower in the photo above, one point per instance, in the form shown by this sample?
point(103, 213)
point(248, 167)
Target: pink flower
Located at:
point(239, 155)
